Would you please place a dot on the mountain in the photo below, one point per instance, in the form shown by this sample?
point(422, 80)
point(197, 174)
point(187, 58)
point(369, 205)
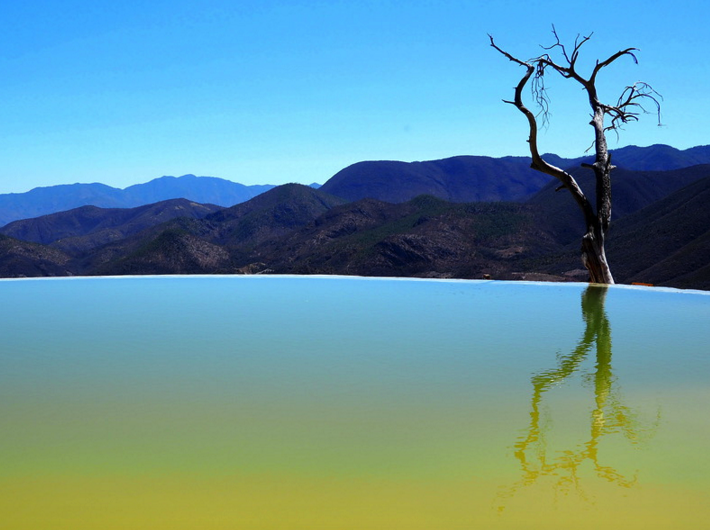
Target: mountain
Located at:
point(88, 227)
point(301, 232)
point(52, 199)
point(668, 242)
point(43, 201)
point(171, 251)
point(221, 238)
point(296, 229)
point(270, 215)
point(457, 179)
point(206, 190)
point(422, 237)
point(631, 191)
point(22, 258)
point(486, 179)
point(657, 157)
point(660, 235)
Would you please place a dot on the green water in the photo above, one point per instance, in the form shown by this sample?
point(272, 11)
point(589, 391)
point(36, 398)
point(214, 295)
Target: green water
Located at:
point(309, 403)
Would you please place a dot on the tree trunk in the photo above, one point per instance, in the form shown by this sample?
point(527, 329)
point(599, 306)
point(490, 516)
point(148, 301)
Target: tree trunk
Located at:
point(594, 257)
point(593, 254)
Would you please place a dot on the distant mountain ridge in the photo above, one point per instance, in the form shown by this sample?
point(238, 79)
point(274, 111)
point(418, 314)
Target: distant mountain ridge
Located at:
point(52, 199)
point(455, 179)
point(658, 157)
point(486, 179)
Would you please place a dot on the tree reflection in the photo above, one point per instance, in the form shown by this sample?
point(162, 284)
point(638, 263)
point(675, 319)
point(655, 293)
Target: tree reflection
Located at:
point(609, 414)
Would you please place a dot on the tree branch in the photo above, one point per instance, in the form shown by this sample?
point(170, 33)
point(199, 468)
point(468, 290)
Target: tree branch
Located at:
point(631, 99)
point(607, 62)
point(538, 163)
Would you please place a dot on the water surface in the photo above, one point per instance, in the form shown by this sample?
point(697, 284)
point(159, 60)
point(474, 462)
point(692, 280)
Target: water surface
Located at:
point(309, 403)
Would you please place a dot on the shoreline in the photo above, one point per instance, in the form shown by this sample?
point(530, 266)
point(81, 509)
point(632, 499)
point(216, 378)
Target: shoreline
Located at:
point(358, 278)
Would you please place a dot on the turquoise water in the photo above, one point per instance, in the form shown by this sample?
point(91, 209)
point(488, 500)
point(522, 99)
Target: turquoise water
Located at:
point(306, 402)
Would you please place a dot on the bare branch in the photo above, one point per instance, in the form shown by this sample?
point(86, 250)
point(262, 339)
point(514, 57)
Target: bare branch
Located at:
point(510, 57)
point(631, 104)
point(557, 44)
point(538, 163)
point(568, 71)
point(607, 62)
point(578, 44)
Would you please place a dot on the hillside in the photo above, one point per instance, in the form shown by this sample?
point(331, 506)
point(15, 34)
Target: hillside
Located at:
point(631, 191)
point(214, 241)
point(24, 259)
point(269, 215)
point(171, 251)
point(88, 227)
point(423, 237)
point(667, 243)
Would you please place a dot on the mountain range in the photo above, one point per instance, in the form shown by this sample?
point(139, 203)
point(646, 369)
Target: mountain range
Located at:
point(480, 178)
point(456, 179)
point(89, 227)
point(660, 233)
point(52, 199)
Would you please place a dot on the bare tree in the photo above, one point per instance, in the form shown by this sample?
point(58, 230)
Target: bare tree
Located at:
point(627, 109)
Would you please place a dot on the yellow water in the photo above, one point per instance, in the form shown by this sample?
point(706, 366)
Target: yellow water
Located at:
point(218, 403)
point(284, 502)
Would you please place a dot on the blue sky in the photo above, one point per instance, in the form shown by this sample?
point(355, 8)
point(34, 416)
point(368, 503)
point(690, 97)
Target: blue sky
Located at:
point(293, 91)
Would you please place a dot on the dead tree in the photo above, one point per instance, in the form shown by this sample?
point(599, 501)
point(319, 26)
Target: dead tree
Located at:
point(627, 109)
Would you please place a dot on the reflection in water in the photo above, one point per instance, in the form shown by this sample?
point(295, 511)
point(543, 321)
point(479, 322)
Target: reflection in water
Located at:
point(609, 414)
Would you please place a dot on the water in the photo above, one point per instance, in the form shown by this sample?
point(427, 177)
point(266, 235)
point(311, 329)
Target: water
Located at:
point(321, 403)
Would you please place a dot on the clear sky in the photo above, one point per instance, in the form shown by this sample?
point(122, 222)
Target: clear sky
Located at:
point(276, 91)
